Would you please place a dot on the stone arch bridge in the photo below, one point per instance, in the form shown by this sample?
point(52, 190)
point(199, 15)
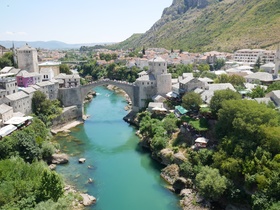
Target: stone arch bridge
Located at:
point(76, 95)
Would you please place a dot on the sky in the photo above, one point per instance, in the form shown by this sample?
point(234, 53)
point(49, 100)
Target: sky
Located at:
point(77, 21)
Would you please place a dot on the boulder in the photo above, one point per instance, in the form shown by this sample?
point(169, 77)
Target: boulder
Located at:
point(60, 158)
point(179, 158)
point(82, 160)
point(52, 167)
point(166, 156)
point(170, 173)
point(88, 199)
point(181, 183)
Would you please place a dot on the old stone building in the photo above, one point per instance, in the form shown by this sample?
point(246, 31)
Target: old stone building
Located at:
point(20, 102)
point(156, 82)
point(27, 59)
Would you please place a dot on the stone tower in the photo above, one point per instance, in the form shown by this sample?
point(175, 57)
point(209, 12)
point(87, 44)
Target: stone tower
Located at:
point(158, 67)
point(27, 59)
point(277, 61)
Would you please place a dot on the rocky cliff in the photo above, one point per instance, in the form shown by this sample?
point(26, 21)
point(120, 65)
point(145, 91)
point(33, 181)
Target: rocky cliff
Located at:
point(202, 25)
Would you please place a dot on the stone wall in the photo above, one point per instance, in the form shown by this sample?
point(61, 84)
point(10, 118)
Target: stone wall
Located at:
point(69, 114)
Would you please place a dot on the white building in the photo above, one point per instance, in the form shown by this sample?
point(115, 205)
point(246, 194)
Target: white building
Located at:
point(8, 86)
point(51, 64)
point(47, 73)
point(28, 58)
point(251, 55)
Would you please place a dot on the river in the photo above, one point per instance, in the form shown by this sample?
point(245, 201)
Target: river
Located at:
point(125, 177)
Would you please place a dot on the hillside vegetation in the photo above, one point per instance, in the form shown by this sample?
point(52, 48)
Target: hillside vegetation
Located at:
point(204, 25)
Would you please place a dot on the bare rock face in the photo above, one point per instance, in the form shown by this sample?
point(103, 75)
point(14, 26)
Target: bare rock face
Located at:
point(60, 158)
point(52, 166)
point(88, 199)
point(166, 156)
point(170, 173)
point(179, 158)
point(182, 183)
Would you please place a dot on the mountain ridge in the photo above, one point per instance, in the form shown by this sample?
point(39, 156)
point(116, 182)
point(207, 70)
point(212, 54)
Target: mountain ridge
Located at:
point(205, 25)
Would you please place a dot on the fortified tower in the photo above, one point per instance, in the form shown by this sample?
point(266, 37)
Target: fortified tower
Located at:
point(27, 59)
point(158, 67)
point(156, 82)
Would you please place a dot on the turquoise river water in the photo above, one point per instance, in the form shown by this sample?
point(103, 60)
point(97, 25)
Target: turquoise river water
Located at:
point(125, 177)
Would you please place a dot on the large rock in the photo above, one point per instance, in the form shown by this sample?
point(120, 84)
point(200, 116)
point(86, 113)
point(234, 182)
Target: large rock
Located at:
point(166, 156)
point(179, 158)
point(82, 160)
point(170, 173)
point(181, 183)
point(88, 199)
point(60, 158)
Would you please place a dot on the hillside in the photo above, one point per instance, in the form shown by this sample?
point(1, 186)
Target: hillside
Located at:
point(224, 25)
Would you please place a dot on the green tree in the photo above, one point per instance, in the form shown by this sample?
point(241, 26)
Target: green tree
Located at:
point(170, 123)
point(219, 63)
point(257, 92)
point(51, 186)
point(5, 62)
point(210, 183)
point(273, 86)
point(64, 68)
point(191, 101)
point(219, 97)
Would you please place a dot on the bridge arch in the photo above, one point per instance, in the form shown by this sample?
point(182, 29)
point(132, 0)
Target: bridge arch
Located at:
point(130, 88)
point(75, 96)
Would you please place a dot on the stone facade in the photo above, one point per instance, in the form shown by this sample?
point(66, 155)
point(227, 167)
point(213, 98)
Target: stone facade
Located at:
point(28, 59)
point(68, 81)
point(156, 82)
point(6, 113)
point(20, 102)
point(7, 86)
point(68, 114)
point(50, 88)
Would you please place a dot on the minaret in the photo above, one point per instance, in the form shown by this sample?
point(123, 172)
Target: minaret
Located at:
point(14, 55)
point(277, 61)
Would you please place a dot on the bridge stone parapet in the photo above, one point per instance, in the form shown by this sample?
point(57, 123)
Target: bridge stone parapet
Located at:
point(76, 95)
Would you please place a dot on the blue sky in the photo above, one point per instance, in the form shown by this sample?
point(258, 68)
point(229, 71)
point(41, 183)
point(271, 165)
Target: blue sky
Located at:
point(77, 21)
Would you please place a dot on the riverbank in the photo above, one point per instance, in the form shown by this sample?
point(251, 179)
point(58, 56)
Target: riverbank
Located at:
point(66, 126)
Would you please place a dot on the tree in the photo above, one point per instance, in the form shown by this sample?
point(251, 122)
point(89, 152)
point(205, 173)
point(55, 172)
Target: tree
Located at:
point(219, 63)
point(257, 92)
point(170, 123)
point(51, 186)
point(210, 183)
point(64, 68)
point(235, 80)
point(191, 101)
point(219, 97)
point(273, 86)
point(5, 62)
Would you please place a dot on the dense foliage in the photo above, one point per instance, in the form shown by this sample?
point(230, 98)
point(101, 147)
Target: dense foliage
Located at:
point(191, 101)
point(7, 60)
point(45, 109)
point(24, 185)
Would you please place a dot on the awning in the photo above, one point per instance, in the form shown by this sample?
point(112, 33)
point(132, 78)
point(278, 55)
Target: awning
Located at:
point(17, 120)
point(181, 109)
point(7, 130)
point(201, 140)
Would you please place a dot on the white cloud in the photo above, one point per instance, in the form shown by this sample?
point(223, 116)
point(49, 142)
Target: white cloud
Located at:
point(10, 33)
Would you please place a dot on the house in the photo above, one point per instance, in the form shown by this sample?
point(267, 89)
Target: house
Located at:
point(156, 107)
point(50, 88)
point(25, 79)
point(6, 113)
point(50, 65)
point(268, 67)
point(189, 84)
point(68, 81)
point(47, 73)
point(20, 102)
point(8, 85)
point(275, 97)
point(208, 93)
point(263, 78)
